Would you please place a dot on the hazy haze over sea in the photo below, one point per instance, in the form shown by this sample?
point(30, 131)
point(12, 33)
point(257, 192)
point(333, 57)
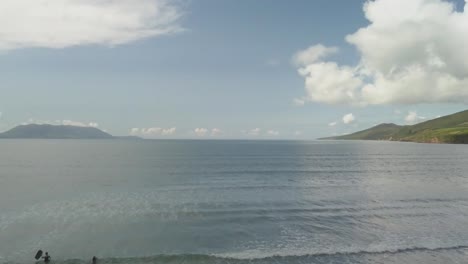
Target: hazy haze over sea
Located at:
point(233, 201)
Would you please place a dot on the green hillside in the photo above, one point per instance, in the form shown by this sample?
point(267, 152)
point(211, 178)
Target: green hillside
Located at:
point(447, 129)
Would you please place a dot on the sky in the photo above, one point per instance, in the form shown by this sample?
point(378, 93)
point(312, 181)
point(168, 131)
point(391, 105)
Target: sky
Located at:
point(231, 69)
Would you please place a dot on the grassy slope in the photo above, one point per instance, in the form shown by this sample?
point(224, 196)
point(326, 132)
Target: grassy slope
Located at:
point(447, 129)
point(380, 132)
point(442, 135)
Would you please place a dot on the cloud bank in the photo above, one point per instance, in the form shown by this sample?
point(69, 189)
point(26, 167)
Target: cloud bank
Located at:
point(64, 23)
point(273, 133)
point(153, 132)
point(202, 132)
point(77, 123)
point(254, 132)
point(65, 122)
point(216, 132)
point(411, 55)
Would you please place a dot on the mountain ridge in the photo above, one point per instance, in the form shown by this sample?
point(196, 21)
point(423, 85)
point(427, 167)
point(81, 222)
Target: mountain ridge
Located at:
point(446, 129)
point(47, 131)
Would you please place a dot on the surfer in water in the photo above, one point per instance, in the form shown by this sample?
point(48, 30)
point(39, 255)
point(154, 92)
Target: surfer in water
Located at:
point(46, 257)
point(94, 260)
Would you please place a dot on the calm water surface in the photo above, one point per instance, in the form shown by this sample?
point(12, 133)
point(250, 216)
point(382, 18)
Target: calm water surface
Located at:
point(233, 201)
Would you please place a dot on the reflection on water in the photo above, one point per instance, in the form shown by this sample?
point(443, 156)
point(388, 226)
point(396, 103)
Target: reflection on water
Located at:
point(233, 201)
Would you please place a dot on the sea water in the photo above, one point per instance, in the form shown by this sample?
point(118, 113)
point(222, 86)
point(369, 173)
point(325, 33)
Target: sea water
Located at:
point(233, 201)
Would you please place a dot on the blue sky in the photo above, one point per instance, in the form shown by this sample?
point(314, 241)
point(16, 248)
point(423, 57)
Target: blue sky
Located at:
point(215, 69)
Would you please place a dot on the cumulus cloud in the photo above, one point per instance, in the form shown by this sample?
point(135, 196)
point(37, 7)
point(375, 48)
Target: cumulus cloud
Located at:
point(216, 132)
point(134, 131)
point(152, 131)
point(78, 123)
point(348, 118)
point(413, 118)
point(273, 133)
point(168, 131)
point(201, 132)
point(313, 54)
point(64, 23)
point(416, 54)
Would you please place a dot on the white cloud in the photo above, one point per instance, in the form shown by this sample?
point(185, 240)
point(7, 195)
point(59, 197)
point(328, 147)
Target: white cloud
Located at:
point(348, 118)
point(330, 83)
point(201, 132)
point(313, 54)
point(134, 131)
point(65, 122)
point(413, 118)
point(168, 131)
point(332, 124)
point(254, 132)
point(64, 23)
point(216, 132)
point(152, 131)
point(409, 55)
point(298, 102)
point(73, 123)
point(273, 133)
point(297, 133)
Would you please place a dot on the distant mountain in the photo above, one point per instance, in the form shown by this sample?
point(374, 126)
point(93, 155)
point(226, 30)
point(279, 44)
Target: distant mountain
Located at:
point(447, 129)
point(55, 132)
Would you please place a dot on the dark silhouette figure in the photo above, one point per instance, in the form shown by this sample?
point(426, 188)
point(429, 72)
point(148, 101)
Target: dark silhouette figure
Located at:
point(46, 257)
point(94, 260)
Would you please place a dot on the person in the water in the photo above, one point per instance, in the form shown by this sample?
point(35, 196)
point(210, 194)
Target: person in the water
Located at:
point(94, 260)
point(46, 257)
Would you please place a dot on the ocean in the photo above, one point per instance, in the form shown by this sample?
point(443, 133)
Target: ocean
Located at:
point(188, 201)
